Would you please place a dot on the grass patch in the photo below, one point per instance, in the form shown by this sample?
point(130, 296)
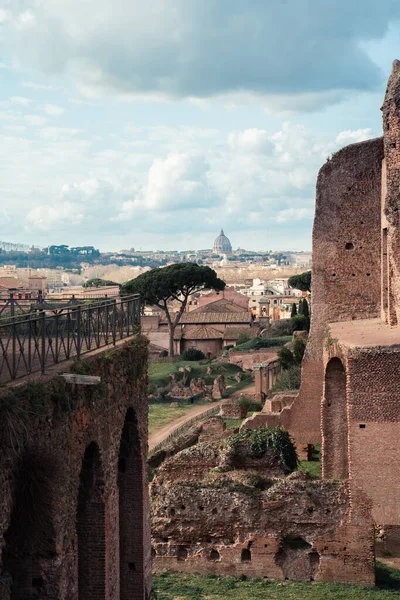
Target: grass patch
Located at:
point(259, 343)
point(162, 414)
point(159, 372)
point(313, 467)
point(176, 586)
point(231, 422)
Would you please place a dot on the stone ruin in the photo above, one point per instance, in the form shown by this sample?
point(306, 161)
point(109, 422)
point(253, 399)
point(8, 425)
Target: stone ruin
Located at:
point(219, 389)
point(352, 358)
point(214, 511)
point(349, 401)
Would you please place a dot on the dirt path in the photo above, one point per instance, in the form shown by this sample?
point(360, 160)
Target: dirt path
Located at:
point(160, 434)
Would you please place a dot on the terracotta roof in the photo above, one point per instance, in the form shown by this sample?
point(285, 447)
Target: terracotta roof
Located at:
point(11, 283)
point(221, 305)
point(203, 332)
point(233, 333)
point(215, 317)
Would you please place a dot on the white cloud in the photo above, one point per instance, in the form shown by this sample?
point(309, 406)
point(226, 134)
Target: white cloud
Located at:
point(44, 218)
point(20, 100)
point(256, 141)
point(38, 86)
point(59, 133)
point(294, 214)
point(53, 111)
point(34, 120)
point(351, 137)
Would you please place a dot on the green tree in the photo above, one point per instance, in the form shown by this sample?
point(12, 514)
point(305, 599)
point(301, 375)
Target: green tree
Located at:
point(301, 282)
point(301, 306)
point(294, 310)
point(174, 282)
point(97, 282)
point(285, 357)
point(299, 348)
point(305, 308)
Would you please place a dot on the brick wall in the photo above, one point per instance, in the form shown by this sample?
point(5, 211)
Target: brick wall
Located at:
point(346, 273)
point(66, 507)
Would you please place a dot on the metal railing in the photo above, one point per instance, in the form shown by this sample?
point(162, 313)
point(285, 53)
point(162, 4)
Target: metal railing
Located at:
point(32, 342)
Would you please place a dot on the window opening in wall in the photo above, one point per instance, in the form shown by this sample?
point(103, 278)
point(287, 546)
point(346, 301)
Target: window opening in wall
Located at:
point(246, 555)
point(362, 426)
point(182, 553)
point(349, 246)
point(214, 555)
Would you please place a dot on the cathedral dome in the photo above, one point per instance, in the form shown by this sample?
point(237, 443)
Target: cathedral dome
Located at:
point(222, 244)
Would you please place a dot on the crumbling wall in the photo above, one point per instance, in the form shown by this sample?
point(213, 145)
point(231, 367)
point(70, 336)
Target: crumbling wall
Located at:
point(346, 272)
point(296, 528)
point(73, 481)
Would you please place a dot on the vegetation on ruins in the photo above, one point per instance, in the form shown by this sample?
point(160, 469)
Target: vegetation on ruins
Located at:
point(301, 282)
point(97, 282)
point(258, 343)
point(262, 440)
point(287, 358)
point(289, 379)
point(174, 282)
point(170, 586)
point(193, 354)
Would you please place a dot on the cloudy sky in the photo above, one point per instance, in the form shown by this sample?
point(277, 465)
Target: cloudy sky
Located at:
point(155, 123)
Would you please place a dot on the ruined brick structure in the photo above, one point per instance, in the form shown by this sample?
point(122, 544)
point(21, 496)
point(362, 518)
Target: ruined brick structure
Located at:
point(244, 516)
point(74, 519)
point(350, 395)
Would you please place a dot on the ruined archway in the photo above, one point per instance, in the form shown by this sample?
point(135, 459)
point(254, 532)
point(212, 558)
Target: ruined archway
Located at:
point(131, 519)
point(30, 537)
point(335, 423)
point(91, 528)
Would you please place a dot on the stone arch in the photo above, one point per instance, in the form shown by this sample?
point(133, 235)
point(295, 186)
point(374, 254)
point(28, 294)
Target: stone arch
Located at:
point(131, 511)
point(30, 538)
point(91, 527)
point(335, 464)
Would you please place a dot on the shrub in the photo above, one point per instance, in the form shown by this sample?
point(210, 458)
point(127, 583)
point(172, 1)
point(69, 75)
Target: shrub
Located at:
point(164, 353)
point(260, 441)
point(193, 354)
point(290, 379)
point(258, 343)
point(285, 357)
point(300, 323)
point(299, 348)
point(281, 327)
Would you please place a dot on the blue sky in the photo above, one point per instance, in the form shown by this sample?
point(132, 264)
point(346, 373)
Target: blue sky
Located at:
point(153, 124)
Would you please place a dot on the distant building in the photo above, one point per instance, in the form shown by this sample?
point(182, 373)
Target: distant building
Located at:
point(222, 244)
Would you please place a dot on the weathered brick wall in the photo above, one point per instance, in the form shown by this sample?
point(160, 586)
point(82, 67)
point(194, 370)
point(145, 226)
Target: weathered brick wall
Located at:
point(390, 216)
point(346, 273)
point(73, 483)
point(374, 421)
point(297, 529)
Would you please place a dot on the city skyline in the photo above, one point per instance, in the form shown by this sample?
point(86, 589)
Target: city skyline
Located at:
point(125, 136)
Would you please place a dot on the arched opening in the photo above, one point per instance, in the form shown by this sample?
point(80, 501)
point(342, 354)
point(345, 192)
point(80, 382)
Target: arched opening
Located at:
point(334, 423)
point(30, 537)
point(131, 519)
point(91, 528)
point(214, 555)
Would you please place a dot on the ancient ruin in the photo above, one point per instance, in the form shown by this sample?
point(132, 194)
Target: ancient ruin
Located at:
point(349, 401)
point(73, 482)
point(220, 507)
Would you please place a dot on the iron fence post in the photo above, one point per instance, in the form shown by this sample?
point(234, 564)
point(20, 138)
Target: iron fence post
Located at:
point(114, 329)
point(13, 338)
point(43, 341)
point(78, 332)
